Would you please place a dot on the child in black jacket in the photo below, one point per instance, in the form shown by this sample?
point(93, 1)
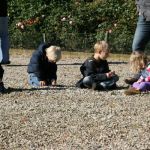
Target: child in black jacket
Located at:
point(95, 70)
point(42, 67)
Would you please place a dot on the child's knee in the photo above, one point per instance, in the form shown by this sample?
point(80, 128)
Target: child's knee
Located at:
point(87, 81)
point(33, 80)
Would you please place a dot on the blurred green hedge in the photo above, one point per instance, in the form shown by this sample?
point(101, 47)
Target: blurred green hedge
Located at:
point(73, 24)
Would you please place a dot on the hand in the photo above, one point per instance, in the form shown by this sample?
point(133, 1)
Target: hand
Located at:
point(140, 80)
point(42, 83)
point(53, 82)
point(110, 74)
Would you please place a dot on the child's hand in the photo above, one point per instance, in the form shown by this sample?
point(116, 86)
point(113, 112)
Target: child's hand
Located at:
point(53, 82)
point(146, 79)
point(42, 83)
point(140, 80)
point(110, 74)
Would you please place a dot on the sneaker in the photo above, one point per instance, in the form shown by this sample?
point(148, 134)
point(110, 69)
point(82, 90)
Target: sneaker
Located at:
point(132, 91)
point(2, 88)
point(130, 81)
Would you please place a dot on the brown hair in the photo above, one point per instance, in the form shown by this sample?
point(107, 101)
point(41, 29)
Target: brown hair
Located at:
point(100, 46)
point(138, 62)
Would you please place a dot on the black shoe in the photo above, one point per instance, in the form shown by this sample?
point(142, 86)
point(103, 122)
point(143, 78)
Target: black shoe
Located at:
point(113, 87)
point(130, 81)
point(2, 88)
point(6, 62)
point(132, 91)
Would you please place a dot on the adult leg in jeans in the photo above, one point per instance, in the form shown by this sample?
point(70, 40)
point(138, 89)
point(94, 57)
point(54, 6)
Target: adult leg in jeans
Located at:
point(142, 35)
point(4, 40)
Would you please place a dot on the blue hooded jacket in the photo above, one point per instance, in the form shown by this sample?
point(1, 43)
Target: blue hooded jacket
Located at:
point(41, 66)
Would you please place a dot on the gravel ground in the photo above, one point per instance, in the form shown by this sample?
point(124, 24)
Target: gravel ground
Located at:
point(68, 118)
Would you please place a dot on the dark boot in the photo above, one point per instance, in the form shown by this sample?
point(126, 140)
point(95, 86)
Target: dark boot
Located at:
point(2, 88)
point(130, 81)
point(132, 91)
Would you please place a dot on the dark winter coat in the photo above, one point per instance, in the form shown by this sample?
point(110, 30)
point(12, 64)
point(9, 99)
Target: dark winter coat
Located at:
point(96, 68)
point(41, 66)
point(143, 7)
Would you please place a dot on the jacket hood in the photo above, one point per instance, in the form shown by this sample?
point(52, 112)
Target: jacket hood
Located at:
point(42, 47)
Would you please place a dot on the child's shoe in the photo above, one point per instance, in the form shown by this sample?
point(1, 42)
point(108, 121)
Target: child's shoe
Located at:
point(130, 81)
point(132, 91)
point(2, 88)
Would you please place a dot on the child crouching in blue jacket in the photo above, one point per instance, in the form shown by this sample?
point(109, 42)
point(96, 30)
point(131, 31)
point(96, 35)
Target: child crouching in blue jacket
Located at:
point(42, 68)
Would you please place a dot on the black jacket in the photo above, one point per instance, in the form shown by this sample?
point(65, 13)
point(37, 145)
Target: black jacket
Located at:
point(143, 6)
point(3, 8)
point(96, 68)
point(40, 66)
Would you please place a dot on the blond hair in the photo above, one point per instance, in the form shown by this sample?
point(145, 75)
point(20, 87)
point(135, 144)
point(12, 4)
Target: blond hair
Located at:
point(138, 62)
point(54, 53)
point(100, 46)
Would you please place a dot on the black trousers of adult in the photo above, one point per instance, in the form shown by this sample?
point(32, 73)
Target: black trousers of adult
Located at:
point(1, 72)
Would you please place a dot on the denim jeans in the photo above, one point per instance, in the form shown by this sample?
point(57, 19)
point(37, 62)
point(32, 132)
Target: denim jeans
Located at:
point(88, 81)
point(142, 35)
point(33, 80)
point(4, 41)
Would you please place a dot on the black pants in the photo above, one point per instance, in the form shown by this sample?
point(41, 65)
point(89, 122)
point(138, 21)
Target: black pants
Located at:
point(1, 72)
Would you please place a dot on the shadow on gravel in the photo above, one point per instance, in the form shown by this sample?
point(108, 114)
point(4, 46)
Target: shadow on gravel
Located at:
point(109, 90)
point(111, 62)
point(58, 87)
point(121, 88)
point(16, 65)
point(115, 62)
point(70, 64)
